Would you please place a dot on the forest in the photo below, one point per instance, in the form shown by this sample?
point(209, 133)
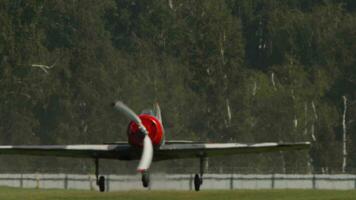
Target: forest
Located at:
point(222, 71)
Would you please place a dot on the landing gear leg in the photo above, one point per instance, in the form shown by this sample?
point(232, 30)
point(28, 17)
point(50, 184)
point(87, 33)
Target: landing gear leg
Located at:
point(197, 182)
point(145, 179)
point(100, 180)
point(198, 179)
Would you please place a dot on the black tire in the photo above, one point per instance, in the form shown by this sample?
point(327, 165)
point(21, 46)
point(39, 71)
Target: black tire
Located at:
point(101, 184)
point(145, 179)
point(197, 182)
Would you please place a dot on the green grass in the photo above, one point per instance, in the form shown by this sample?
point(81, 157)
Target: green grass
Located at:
point(33, 194)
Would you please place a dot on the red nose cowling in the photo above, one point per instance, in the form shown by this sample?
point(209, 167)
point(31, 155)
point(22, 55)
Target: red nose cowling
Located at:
point(153, 126)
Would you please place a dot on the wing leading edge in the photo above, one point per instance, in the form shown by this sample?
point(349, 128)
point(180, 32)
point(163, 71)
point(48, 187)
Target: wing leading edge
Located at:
point(110, 151)
point(166, 152)
point(177, 151)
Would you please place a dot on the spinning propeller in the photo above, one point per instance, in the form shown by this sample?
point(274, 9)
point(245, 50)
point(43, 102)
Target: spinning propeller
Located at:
point(147, 151)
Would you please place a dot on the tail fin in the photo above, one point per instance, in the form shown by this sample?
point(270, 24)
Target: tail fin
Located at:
point(157, 110)
point(158, 115)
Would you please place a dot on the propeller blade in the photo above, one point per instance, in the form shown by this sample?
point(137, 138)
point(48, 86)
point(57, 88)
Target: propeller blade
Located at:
point(131, 115)
point(147, 155)
point(127, 111)
point(147, 150)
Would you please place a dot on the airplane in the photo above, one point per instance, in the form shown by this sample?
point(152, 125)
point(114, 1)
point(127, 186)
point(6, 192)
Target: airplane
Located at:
point(146, 142)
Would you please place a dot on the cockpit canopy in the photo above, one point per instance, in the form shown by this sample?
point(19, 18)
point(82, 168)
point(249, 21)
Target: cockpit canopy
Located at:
point(149, 111)
point(155, 111)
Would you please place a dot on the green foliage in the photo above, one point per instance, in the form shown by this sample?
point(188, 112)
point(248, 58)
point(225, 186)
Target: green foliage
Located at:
point(228, 70)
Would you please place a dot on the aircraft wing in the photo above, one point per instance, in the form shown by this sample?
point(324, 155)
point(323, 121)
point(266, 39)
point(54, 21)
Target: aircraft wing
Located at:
point(110, 151)
point(193, 150)
point(171, 150)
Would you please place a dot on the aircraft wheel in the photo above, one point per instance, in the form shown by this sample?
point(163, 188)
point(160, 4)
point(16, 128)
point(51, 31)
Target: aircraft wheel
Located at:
point(197, 182)
point(101, 183)
point(145, 179)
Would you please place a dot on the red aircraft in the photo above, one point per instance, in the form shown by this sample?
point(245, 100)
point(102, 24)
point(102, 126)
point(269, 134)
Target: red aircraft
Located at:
point(146, 142)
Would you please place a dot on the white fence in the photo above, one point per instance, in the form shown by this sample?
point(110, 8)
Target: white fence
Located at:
point(182, 181)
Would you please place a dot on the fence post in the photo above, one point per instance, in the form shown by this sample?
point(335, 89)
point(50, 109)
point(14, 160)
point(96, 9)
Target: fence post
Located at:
point(107, 183)
point(232, 182)
point(150, 184)
point(314, 181)
point(21, 180)
point(190, 182)
point(90, 183)
point(272, 181)
point(66, 181)
point(37, 181)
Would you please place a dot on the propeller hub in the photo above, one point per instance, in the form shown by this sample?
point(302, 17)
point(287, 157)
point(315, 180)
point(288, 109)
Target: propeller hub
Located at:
point(153, 127)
